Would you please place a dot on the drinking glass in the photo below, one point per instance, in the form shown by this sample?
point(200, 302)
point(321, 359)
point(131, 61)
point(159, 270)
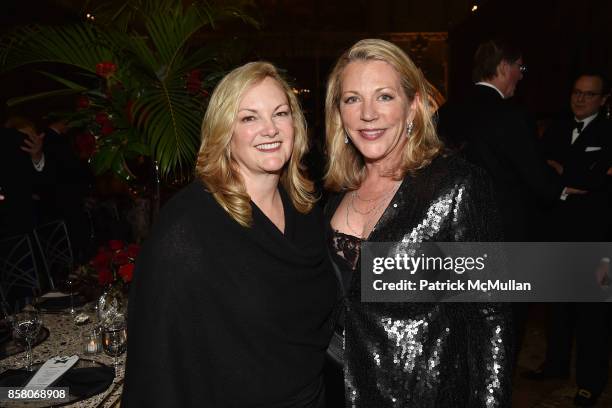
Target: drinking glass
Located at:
point(114, 342)
point(26, 326)
point(68, 284)
point(91, 340)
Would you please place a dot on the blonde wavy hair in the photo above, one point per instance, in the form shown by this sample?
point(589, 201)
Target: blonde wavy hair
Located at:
point(215, 165)
point(345, 166)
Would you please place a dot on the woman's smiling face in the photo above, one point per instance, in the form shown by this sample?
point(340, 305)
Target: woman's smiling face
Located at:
point(375, 110)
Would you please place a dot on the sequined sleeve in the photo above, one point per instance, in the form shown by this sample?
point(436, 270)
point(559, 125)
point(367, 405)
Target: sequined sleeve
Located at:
point(489, 325)
point(489, 354)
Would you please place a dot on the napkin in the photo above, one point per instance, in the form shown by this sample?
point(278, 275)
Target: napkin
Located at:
point(82, 382)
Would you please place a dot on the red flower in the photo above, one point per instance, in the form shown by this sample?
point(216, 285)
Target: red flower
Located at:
point(133, 250)
point(107, 129)
point(101, 260)
point(102, 118)
point(126, 272)
point(85, 144)
point(83, 102)
point(120, 258)
point(115, 244)
point(105, 276)
point(106, 69)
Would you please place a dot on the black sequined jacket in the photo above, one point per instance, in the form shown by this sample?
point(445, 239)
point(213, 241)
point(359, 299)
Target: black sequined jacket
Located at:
point(429, 354)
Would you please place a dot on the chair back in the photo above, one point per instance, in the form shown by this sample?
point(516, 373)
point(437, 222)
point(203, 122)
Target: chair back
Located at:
point(18, 272)
point(54, 245)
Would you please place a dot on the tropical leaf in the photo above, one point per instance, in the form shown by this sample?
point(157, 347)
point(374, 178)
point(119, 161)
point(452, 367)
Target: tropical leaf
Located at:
point(150, 47)
point(58, 92)
point(81, 46)
point(69, 84)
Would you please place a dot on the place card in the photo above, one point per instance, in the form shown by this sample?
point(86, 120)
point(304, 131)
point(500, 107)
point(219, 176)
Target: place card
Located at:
point(51, 371)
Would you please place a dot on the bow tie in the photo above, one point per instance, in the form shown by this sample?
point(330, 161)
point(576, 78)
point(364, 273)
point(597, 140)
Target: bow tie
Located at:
point(578, 126)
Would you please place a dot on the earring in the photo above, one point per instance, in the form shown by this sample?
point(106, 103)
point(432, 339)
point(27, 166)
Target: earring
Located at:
point(346, 139)
point(409, 129)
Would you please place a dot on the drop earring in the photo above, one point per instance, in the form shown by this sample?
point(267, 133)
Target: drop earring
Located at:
point(346, 139)
point(409, 129)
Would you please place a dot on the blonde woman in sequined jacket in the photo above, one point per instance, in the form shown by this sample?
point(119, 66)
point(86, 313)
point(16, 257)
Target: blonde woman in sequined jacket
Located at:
point(393, 184)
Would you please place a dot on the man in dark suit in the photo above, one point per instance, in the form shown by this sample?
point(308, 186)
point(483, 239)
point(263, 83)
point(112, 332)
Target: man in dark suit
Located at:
point(498, 136)
point(580, 150)
point(21, 163)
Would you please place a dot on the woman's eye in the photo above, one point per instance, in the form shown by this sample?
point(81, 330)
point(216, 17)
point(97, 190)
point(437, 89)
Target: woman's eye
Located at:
point(350, 99)
point(248, 119)
point(283, 113)
point(385, 97)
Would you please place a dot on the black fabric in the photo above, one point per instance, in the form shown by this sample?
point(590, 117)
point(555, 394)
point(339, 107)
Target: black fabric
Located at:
point(82, 382)
point(64, 188)
point(226, 316)
point(499, 137)
point(17, 179)
point(434, 354)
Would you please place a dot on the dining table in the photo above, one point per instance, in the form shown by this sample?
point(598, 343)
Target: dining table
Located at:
point(65, 339)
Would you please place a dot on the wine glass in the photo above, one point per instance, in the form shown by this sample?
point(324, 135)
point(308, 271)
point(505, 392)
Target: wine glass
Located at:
point(66, 285)
point(69, 283)
point(114, 341)
point(26, 326)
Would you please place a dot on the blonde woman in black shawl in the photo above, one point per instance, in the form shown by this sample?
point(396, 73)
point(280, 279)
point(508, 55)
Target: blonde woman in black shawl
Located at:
point(232, 299)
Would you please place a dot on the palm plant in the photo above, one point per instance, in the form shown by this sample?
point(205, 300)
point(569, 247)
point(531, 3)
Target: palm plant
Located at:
point(141, 77)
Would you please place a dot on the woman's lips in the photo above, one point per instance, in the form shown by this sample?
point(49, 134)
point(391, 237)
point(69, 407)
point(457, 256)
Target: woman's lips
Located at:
point(371, 134)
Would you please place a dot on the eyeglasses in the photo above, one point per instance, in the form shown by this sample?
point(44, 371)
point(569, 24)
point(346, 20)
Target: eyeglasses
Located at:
point(522, 67)
point(587, 94)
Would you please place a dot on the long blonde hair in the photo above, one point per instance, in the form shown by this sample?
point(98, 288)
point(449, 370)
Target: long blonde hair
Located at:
point(215, 165)
point(346, 167)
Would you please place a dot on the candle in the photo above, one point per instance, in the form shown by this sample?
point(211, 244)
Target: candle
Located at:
point(91, 342)
point(92, 347)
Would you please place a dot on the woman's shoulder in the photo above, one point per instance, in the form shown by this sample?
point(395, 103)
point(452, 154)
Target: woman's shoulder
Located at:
point(452, 168)
point(187, 211)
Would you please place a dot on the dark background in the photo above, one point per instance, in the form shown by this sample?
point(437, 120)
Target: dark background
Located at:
point(306, 36)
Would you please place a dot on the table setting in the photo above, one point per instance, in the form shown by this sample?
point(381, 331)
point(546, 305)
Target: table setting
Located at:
point(80, 346)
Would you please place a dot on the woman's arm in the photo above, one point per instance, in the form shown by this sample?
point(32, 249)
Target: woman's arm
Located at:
point(164, 365)
point(488, 326)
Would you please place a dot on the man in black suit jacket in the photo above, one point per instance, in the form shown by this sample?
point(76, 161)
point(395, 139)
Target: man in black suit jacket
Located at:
point(21, 163)
point(498, 136)
point(580, 150)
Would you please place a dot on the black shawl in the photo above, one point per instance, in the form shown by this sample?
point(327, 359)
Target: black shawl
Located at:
point(226, 316)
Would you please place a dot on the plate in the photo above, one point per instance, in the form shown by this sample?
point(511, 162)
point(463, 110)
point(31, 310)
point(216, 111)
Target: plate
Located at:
point(59, 303)
point(11, 348)
point(105, 378)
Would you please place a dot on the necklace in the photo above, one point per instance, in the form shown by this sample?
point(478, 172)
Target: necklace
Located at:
point(369, 200)
point(364, 212)
point(351, 205)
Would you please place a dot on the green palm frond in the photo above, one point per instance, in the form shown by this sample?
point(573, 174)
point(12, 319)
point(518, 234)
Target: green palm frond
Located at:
point(81, 46)
point(150, 43)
